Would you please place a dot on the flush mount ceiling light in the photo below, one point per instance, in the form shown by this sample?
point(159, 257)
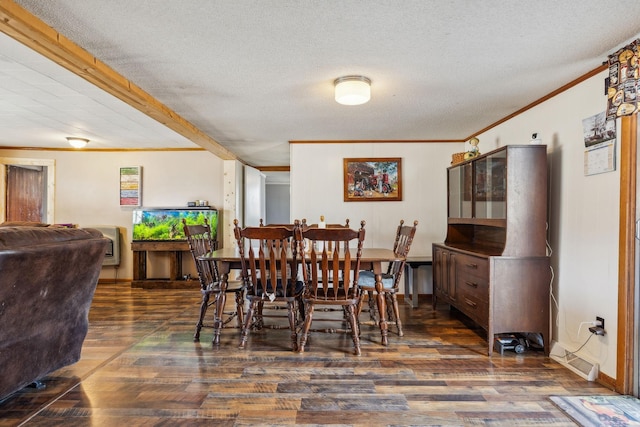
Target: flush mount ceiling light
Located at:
point(77, 142)
point(352, 90)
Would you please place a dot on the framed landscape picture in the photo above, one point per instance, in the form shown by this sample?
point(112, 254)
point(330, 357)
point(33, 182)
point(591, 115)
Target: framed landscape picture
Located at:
point(373, 179)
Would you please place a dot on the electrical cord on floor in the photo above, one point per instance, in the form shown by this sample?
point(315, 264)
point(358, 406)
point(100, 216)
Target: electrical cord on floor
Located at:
point(553, 298)
point(573, 353)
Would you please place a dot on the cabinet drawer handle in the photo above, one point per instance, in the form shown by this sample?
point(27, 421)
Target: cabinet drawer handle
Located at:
point(472, 284)
point(470, 303)
point(472, 265)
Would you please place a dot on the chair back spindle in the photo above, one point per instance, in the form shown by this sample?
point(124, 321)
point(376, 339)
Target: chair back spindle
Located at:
point(199, 238)
point(380, 299)
point(330, 271)
point(200, 242)
point(269, 262)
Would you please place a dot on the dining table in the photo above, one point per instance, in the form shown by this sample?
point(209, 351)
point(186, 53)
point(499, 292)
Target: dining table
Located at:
point(228, 259)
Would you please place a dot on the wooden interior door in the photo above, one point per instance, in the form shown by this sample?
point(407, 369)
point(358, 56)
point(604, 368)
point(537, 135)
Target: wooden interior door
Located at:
point(25, 193)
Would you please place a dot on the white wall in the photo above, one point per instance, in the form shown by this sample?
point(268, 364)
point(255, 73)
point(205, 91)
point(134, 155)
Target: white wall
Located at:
point(233, 200)
point(278, 203)
point(583, 210)
point(254, 197)
point(583, 219)
point(87, 190)
point(317, 189)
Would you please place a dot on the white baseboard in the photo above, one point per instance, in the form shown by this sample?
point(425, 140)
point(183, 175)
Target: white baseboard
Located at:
point(586, 369)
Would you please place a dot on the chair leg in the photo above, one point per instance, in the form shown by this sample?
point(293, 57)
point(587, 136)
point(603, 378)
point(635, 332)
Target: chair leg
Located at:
point(354, 328)
point(240, 308)
point(382, 314)
point(203, 310)
point(247, 323)
point(305, 328)
point(221, 299)
point(372, 308)
point(396, 313)
point(292, 313)
point(300, 304)
point(257, 313)
point(360, 302)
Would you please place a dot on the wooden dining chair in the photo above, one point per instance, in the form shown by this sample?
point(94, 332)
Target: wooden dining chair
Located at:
point(390, 279)
point(200, 242)
point(330, 272)
point(269, 260)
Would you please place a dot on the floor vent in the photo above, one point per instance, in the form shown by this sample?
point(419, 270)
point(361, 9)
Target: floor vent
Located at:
point(587, 370)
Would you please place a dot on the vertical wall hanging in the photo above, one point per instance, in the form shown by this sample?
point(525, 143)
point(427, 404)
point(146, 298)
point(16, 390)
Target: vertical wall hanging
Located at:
point(131, 186)
point(623, 81)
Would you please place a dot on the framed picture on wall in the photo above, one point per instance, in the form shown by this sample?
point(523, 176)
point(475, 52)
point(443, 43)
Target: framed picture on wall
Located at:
point(131, 186)
point(372, 179)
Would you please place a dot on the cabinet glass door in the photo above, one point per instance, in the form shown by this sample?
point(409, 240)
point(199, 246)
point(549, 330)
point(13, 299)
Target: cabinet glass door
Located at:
point(491, 186)
point(460, 205)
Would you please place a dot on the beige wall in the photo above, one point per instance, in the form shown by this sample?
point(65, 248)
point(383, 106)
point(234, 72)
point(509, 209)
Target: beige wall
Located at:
point(317, 189)
point(87, 190)
point(583, 219)
point(583, 224)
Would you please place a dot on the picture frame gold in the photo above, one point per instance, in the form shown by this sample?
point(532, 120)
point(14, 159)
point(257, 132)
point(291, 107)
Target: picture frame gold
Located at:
point(372, 179)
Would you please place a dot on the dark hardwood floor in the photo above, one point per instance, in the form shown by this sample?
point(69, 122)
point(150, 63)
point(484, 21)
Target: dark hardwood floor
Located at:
point(140, 367)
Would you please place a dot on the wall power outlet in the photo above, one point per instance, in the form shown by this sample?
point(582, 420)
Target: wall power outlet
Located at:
point(598, 330)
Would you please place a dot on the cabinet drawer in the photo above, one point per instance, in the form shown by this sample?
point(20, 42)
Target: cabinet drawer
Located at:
point(471, 265)
point(475, 286)
point(474, 308)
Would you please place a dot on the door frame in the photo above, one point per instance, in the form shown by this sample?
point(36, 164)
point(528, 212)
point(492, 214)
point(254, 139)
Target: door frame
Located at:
point(624, 381)
point(50, 167)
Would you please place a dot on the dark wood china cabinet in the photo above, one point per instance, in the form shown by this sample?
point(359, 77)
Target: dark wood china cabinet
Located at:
point(493, 265)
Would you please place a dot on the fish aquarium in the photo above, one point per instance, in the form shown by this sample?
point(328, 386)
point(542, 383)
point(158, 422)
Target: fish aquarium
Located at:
point(165, 224)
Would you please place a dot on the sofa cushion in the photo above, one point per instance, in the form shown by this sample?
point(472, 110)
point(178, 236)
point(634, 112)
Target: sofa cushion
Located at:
point(12, 237)
point(49, 276)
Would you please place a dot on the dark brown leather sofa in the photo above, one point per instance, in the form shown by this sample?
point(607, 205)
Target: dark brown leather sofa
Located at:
point(48, 276)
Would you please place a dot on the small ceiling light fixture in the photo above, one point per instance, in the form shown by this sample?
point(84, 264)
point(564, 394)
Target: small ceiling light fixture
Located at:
point(352, 90)
point(77, 142)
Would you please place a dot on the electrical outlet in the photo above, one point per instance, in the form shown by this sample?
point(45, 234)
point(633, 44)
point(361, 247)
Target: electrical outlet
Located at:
point(598, 330)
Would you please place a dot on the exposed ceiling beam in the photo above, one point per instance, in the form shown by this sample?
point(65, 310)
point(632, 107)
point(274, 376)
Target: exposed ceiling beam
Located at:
point(32, 32)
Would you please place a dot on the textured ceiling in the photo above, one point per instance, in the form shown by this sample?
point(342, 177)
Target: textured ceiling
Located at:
point(254, 75)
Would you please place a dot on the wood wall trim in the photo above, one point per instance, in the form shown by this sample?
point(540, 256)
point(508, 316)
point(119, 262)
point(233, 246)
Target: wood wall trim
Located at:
point(366, 141)
point(550, 95)
point(606, 381)
point(626, 260)
point(101, 150)
point(24, 27)
point(274, 168)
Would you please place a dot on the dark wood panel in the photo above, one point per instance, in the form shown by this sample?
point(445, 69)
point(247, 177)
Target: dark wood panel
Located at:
point(25, 194)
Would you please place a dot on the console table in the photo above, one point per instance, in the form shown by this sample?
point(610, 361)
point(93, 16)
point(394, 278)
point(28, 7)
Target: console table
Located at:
point(410, 268)
point(175, 279)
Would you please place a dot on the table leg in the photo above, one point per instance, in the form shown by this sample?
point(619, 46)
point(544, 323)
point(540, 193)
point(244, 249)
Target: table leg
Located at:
point(220, 302)
point(382, 303)
point(139, 265)
point(410, 289)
